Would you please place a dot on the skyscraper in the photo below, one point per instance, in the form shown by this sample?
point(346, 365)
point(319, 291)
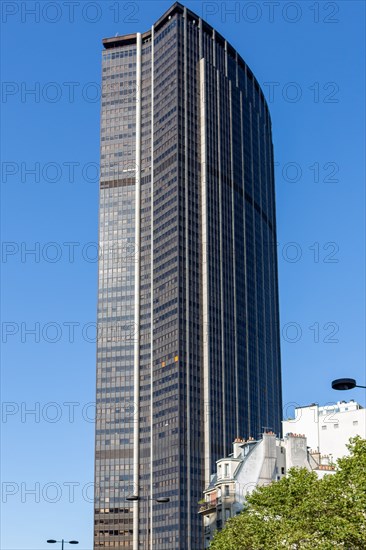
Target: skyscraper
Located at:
point(188, 351)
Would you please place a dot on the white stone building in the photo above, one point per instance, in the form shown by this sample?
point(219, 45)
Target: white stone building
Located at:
point(253, 463)
point(328, 428)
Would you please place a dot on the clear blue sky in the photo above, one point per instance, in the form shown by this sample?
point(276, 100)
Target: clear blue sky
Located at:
point(313, 56)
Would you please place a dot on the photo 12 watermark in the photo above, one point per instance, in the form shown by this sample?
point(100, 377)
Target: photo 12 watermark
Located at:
point(69, 252)
point(235, 12)
point(309, 173)
point(69, 11)
point(68, 412)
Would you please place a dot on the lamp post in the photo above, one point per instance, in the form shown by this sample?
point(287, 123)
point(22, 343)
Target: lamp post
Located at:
point(52, 541)
point(345, 384)
point(146, 500)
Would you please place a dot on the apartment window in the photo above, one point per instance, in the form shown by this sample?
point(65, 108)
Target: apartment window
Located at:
point(355, 423)
point(336, 426)
point(282, 470)
point(226, 469)
point(324, 427)
point(227, 490)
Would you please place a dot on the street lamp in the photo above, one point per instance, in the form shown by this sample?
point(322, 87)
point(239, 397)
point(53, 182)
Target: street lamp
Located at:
point(135, 498)
point(52, 541)
point(159, 499)
point(345, 384)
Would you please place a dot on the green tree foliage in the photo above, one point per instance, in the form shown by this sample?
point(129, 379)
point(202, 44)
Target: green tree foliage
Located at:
point(302, 512)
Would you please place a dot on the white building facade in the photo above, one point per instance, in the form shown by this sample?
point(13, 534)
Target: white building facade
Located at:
point(253, 463)
point(328, 428)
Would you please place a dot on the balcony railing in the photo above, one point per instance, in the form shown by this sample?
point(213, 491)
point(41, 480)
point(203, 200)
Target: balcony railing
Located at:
point(207, 507)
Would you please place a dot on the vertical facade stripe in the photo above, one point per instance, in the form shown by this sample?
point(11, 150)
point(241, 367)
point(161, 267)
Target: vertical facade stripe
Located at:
point(136, 432)
point(247, 356)
point(205, 281)
point(187, 284)
point(265, 420)
point(232, 177)
point(152, 296)
point(220, 225)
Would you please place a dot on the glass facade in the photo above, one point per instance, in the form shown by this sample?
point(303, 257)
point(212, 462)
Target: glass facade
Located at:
point(188, 352)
